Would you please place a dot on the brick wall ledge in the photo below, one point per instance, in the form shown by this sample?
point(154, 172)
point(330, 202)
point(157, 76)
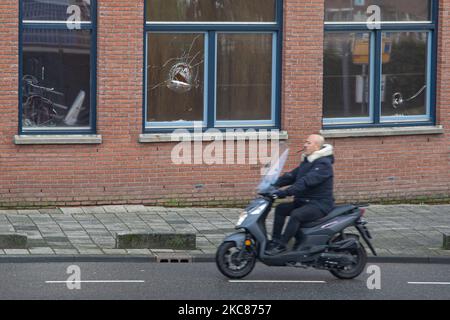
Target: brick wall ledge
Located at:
point(169, 137)
point(378, 132)
point(57, 139)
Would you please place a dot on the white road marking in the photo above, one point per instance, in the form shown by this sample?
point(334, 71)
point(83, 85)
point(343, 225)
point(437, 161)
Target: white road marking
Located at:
point(98, 281)
point(273, 281)
point(437, 283)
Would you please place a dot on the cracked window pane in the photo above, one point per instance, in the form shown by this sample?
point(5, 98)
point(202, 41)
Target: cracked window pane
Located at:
point(175, 77)
point(404, 73)
point(211, 10)
point(244, 76)
point(55, 10)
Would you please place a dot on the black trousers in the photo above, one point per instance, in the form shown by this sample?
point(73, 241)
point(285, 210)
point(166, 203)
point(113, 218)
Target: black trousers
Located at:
point(298, 215)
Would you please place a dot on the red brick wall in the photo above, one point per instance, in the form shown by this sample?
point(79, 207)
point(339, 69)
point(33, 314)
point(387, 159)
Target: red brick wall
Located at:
point(8, 95)
point(121, 170)
point(302, 72)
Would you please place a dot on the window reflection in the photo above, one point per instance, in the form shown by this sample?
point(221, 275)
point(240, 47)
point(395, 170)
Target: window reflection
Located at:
point(56, 78)
point(346, 74)
point(55, 10)
point(211, 10)
point(244, 76)
point(356, 11)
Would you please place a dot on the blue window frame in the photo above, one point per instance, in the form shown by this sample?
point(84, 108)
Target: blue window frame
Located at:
point(57, 66)
point(385, 75)
point(219, 66)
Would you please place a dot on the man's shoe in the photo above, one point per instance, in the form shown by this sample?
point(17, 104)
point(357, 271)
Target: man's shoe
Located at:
point(272, 244)
point(277, 250)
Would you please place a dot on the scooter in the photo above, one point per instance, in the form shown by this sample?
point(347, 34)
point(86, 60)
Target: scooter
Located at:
point(322, 244)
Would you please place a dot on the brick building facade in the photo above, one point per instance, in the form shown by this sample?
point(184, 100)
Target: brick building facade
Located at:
point(116, 163)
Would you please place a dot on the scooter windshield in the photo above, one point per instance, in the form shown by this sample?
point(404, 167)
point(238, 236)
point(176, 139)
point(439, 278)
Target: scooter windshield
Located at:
point(272, 170)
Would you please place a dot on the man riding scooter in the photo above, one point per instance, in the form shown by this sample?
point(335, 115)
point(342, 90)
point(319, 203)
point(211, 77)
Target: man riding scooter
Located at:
point(311, 184)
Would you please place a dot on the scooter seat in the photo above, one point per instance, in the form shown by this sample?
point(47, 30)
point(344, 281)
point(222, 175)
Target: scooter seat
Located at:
point(337, 211)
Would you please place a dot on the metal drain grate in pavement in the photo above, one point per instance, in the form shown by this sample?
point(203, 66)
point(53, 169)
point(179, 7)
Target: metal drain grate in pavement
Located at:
point(173, 258)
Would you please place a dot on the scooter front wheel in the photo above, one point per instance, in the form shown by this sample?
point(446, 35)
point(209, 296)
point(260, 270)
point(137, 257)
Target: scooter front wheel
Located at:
point(233, 262)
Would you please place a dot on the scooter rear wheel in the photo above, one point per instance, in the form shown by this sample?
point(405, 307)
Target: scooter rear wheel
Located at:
point(231, 263)
point(355, 270)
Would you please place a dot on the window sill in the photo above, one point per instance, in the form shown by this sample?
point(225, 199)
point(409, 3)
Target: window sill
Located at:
point(213, 136)
point(381, 132)
point(57, 139)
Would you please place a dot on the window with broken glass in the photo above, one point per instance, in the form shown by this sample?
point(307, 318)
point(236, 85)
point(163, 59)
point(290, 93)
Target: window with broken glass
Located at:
point(57, 66)
point(212, 62)
point(379, 72)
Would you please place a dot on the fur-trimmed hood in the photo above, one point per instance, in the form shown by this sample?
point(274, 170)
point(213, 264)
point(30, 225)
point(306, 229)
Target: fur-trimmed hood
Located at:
point(326, 151)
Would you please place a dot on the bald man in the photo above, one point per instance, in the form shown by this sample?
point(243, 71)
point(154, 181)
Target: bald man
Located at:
point(311, 184)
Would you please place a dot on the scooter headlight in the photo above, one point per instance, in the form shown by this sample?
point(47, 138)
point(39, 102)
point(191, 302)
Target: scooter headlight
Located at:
point(242, 217)
point(259, 209)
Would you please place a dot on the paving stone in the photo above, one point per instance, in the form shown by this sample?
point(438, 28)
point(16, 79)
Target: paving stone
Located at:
point(8, 212)
point(103, 216)
point(66, 251)
point(174, 222)
point(56, 238)
point(26, 228)
point(40, 216)
point(69, 211)
point(93, 210)
point(90, 251)
point(17, 251)
point(102, 234)
point(76, 235)
point(56, 211)
point(80, 247)
point(41, 250)
point(135, 208)
point(115, 209)
point(194, 252)
point(115, 251)
point(93, 227)
point(139, 251)
point(71, 227)
point(161, 209)
point(104, 239)
point(156, 251)
point(26, 212)
point(36, 243)
point(209, 251)
point(187, 229)
point(7, 229)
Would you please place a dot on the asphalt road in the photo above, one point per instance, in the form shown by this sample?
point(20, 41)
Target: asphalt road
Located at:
point(113, 280)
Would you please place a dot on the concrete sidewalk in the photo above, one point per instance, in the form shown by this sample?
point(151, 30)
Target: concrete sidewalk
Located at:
point(398, 230)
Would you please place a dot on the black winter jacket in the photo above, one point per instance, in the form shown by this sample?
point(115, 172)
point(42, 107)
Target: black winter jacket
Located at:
point(312, 181)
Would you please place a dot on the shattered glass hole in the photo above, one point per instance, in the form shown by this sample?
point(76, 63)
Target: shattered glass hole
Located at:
point(180, 78)
point(183, 75)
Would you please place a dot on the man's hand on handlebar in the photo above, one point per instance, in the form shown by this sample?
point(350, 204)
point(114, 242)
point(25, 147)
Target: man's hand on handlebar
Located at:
point(275, 193)
point(278, 194)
